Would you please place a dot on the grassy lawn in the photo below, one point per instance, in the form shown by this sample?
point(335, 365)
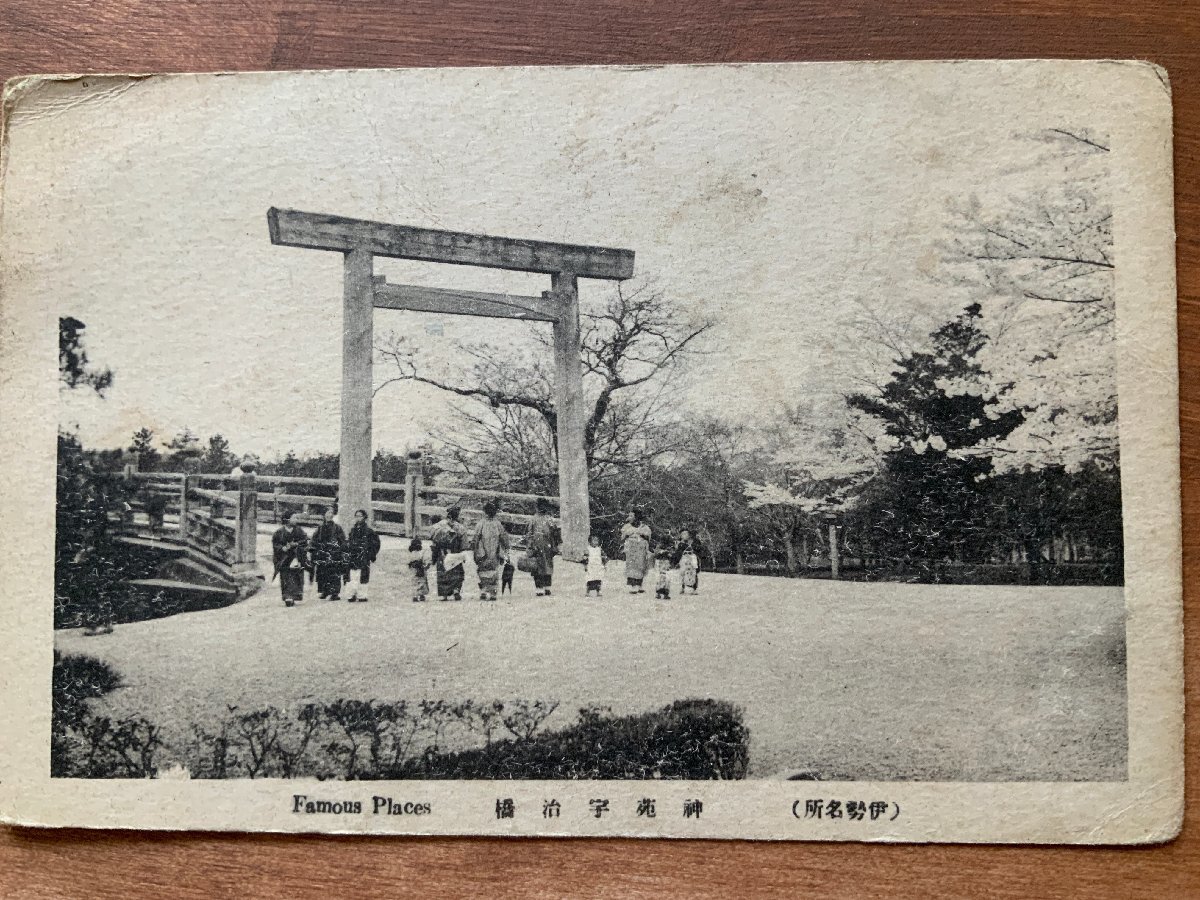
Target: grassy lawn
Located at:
point(846, 681)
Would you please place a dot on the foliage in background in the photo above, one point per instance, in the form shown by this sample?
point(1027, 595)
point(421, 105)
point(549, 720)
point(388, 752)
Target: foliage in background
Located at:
point(74, 368)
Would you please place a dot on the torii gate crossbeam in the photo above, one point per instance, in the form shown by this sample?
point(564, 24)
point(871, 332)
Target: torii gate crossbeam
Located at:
point(361, 240)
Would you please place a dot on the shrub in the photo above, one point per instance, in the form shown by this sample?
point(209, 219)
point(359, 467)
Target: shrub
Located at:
point(370, 739)
point(690, 739)
point(86, 745)
point(77, 678)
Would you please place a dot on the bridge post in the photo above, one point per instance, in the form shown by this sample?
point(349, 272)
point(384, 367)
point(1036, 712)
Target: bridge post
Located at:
point(358, 313)
point(414, 472)
point(183, 508)
point(574, 514)
point(245, 550)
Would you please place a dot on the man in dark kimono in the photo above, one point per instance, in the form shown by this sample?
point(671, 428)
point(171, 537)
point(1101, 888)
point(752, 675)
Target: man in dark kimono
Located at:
point(290, 544)
point(362, 550)
point(328, 554)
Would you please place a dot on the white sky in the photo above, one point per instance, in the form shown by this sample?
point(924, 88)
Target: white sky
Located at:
point(768, 197)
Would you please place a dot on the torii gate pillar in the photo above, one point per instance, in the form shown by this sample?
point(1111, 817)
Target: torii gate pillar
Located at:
point(358, 326)
point(360, 241)
point(573, 503)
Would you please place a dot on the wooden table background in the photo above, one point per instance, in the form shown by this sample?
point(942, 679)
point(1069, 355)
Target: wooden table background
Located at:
point(176, 36)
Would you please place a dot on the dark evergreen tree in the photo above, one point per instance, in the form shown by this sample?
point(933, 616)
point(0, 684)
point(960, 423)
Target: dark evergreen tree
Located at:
point(143, 446)
point(930, 502)
point(217, 456)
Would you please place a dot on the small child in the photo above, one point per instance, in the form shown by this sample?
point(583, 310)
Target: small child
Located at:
point(662, 566)
point(506, 576)
point(687, 558)
point(689, 571)
point(595, 566)
point(420, 566)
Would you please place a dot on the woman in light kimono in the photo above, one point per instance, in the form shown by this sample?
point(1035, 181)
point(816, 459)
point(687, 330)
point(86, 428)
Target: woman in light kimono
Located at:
point(635, 535)
point(447, 539)
point(489, 544)
point(543, 538)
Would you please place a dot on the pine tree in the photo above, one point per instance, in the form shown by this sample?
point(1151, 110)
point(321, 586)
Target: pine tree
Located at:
point(218, 458)
point(936, 410)
point(143, 446)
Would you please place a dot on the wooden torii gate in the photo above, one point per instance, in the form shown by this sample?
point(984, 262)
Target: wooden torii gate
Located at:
point(362, 240)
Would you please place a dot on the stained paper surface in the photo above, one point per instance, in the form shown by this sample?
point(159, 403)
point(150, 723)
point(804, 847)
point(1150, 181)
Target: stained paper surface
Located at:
point(825, 415)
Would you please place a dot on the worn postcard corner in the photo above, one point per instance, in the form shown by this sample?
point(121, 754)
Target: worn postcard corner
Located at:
point(773, 451)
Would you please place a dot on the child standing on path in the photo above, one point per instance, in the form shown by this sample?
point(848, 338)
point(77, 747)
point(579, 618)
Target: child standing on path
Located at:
point(662, 567)
point(687, 558)
point(419, 561)
point(595, 567)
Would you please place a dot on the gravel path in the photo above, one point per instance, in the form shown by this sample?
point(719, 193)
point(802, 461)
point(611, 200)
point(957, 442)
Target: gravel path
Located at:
point(845, 680)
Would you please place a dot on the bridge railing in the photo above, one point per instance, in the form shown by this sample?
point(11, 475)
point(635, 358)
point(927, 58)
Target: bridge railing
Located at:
point(516, 510)
point(218, 515)
point(219, 522)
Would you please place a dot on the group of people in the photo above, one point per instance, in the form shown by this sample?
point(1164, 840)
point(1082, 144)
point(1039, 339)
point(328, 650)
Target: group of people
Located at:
point(490, 547)
point(337, 561)
point(682, 554)
point(331, 558)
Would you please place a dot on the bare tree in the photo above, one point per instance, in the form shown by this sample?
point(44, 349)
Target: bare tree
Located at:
point(634, 349)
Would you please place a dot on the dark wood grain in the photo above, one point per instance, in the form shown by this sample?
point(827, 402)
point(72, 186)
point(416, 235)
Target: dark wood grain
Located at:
point(148, 35)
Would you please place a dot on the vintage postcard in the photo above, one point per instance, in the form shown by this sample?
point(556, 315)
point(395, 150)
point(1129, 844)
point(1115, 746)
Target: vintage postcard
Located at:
point(775, 451)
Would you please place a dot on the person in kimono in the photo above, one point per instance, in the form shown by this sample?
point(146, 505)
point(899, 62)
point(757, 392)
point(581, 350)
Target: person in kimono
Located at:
point(489, 544)
point(448, 538)
point(543, 539)
point(662, 572)
point(596, 561)
point(420, 558)
point(362, 548)
point(290, 546)
point(327, 551)
point(686, 558)
point(635, 537)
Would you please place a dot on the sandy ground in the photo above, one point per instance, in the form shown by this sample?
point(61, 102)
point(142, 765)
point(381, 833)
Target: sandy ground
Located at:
point(847, 681)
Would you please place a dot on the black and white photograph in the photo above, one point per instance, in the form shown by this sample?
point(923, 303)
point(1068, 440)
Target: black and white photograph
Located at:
point(663, 425)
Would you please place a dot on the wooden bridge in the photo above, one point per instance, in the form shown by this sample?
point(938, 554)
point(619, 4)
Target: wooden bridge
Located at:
point(214, 519)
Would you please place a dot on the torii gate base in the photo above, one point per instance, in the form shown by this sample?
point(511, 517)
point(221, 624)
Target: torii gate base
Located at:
point(361, 241)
